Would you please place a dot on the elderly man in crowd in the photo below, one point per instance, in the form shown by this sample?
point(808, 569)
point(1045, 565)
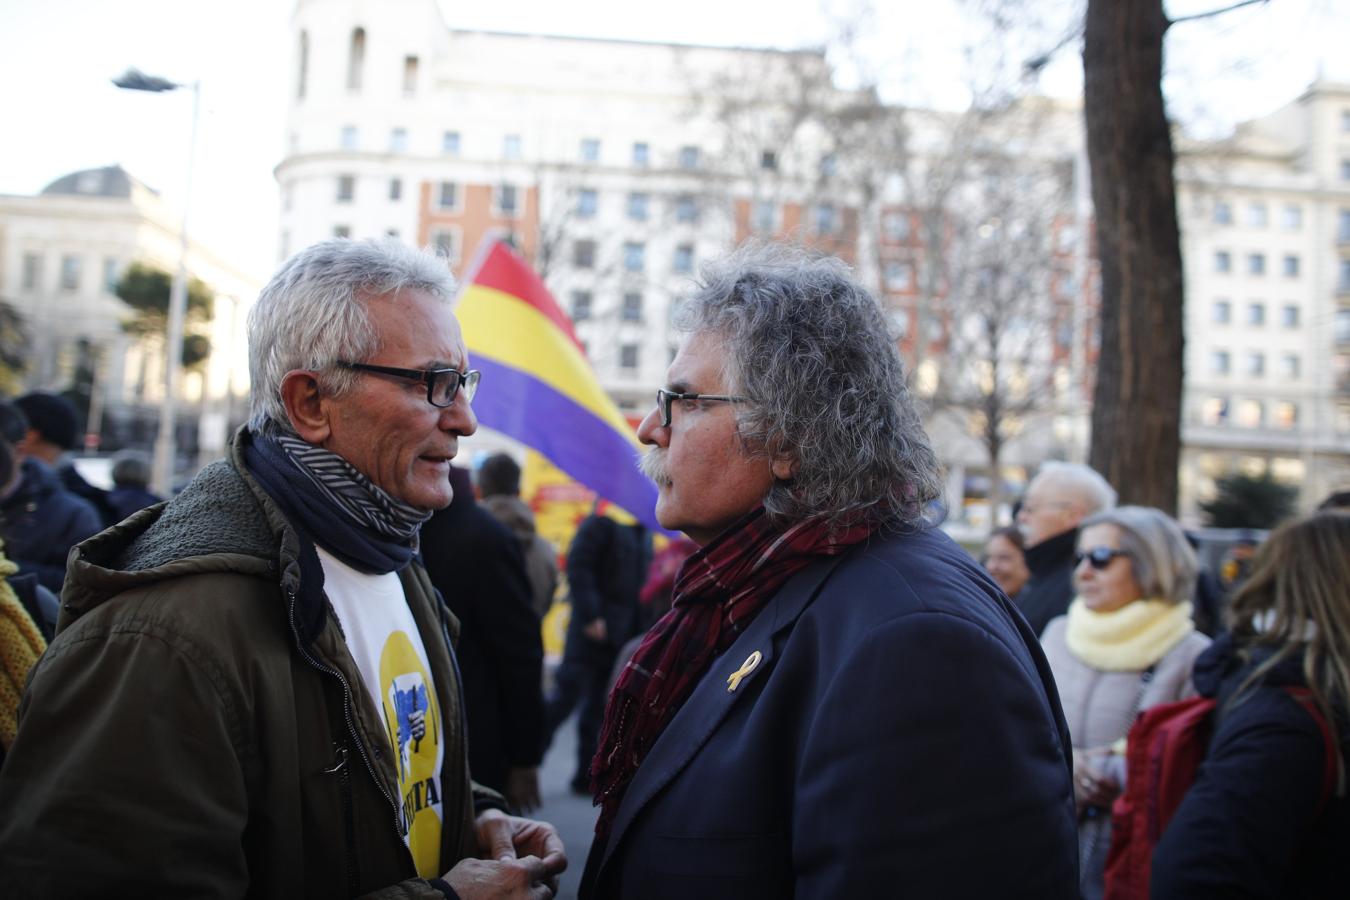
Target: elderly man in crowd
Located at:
point(1060, 496)
point(253, 691)
point(840, 703)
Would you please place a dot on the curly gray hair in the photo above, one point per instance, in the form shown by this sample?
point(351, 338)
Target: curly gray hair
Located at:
point(313, 313)
point(810, 348)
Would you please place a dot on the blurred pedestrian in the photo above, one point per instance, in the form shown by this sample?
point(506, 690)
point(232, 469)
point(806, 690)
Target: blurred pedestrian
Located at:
point(498, 485)
point(655, 598)
point(1127, 643)
point(1267, 814)
point(53, 432)
point(131, 484)
point(39, 519)
point(477, 565)
point(1005, 561)
point(1059, 497)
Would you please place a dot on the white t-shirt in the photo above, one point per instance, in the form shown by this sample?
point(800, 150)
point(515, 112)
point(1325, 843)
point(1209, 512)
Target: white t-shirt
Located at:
point(383, 639)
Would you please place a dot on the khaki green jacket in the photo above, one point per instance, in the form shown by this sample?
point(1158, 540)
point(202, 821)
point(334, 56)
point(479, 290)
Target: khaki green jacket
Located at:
point(199, 729)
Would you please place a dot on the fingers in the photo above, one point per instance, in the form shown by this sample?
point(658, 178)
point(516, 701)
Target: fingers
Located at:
point(495, 834)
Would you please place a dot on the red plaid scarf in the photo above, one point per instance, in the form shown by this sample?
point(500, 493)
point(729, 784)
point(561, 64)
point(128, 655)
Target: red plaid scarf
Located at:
point(718, 592)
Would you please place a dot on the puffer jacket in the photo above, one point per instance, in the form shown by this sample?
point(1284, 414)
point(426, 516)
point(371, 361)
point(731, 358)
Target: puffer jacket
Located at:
point(199, 729)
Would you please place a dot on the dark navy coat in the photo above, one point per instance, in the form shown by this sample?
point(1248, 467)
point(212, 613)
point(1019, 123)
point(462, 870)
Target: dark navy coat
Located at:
point(41, 521)
point(901, 736)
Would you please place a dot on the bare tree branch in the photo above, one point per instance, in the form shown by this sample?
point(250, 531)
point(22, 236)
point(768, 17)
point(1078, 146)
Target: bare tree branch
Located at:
point(1214, 12)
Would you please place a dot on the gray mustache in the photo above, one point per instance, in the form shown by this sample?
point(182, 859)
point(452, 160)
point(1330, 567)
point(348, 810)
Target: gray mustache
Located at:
point(653, 465)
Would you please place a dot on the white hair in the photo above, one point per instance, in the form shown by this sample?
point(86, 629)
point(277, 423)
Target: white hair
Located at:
point(313, 314)
point(1161, 561)
point(1087, 485)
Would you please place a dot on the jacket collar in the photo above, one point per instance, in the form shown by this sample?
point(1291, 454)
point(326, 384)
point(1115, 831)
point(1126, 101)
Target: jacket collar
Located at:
point(1052, 552)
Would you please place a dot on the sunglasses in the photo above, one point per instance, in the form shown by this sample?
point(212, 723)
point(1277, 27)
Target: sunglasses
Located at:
point(1099, 557)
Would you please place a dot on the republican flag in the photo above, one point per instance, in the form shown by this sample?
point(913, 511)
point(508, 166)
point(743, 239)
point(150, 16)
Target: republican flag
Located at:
point(537, 385)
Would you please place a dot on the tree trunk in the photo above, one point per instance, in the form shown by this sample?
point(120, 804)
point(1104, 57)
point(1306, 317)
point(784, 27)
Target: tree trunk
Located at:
point(1136, 415)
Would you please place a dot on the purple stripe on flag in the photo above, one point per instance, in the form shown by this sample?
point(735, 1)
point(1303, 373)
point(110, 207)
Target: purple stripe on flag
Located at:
point(523, 407)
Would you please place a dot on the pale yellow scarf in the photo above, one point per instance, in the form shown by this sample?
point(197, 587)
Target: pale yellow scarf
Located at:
point(1129, 639)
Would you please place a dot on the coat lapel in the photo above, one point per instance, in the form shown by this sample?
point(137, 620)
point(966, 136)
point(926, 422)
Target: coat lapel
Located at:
point(710, 702)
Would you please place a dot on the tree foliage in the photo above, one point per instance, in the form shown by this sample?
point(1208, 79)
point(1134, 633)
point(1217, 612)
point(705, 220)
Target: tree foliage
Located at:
point(1247, 502)
point(146, 290)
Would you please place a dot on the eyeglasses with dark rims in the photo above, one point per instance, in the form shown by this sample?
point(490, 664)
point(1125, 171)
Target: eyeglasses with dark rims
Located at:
point(664, 398)
point(442, 384)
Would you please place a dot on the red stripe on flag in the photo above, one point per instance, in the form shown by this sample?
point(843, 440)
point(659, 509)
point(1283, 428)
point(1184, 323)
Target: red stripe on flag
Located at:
point(504, 271)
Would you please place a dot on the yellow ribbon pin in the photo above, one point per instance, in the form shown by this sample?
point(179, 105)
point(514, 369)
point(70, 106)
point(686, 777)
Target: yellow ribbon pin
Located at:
point(751, 661)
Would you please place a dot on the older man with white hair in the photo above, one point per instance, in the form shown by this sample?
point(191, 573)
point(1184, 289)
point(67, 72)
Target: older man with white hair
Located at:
point(1060, 496)
point(253, 690)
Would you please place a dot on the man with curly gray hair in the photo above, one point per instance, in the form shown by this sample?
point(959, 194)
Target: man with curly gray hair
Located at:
point(840, 703)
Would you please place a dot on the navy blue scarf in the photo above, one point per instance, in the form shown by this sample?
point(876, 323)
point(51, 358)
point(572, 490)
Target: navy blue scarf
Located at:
point(334, 504)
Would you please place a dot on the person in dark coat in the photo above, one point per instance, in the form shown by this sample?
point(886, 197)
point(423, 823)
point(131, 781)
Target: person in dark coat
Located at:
point(53, 431)
point(476, 564)
point(606, 568)
point(1060, 496)
point(1262, 818)
point(39, 519)
point(840, 703)
point(131, 479)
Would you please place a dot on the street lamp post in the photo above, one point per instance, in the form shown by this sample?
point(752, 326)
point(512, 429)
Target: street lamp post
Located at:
point(165, 443)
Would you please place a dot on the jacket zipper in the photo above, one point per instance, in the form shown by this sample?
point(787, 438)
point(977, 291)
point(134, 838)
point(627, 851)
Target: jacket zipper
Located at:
point(399, 827)
point(344, 775)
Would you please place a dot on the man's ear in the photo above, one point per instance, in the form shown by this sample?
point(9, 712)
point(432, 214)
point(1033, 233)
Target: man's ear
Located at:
point(304, 406)
point(784, 467)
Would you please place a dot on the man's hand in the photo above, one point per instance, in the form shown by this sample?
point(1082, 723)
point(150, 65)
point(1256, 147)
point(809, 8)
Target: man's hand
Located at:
point(511, 879)
point(522, 788)
point(596, 630)
point(504, 838)
point(1091, 787)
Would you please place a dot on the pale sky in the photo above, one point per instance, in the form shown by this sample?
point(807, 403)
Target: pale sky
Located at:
point(60, 113)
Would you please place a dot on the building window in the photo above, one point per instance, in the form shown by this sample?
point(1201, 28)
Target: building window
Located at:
point(346, 188)
point(409, 76)
point(448, 197)
point(301, 82)
point(897, 226)
point(351, 138)
point(1343, 282)
point(1285, 415)
point(1291, 266)
point(1256, 314)
point(583, 254)
point(506, 199)
point(641, 154)
point(683, 263)
point(590, 150)
point(1256, 215)
point(899, 275)
point(32, 271)
point(111, 273)
point(1343, 226)
point(686, 209)
point(1223, 212)
point(1219, 361)
point(829, 165)
point(1345, 170)
point(581, 306)
point(398, 140)
point(356, 59)
point(444, 243)
point(628, 356)
point(511, 146)
point(768, 160)
point(1222, 312)
point(826, 218)
point(688, 157)
point(342, 231)
point(634, 257)
point(1250, 413)
point(764, 216)
point(1256, 364)
point(1214, 411)
point(1223, 261)
point(1289, 316)
point(632, 307)
point(395, 188)
point(1343, 326)
point(637, 207)
point(1292, 217)
point(1290, 366)
point(588, 202)
point(391, 233)
point(1256, 264)
point(450, 143)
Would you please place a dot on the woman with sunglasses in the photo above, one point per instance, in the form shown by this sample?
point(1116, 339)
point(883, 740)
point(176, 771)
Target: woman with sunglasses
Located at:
point(1127, 643)
point(1267, 814)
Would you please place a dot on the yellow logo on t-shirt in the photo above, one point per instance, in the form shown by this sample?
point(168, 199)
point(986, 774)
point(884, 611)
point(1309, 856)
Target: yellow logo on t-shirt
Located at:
point(412, 717)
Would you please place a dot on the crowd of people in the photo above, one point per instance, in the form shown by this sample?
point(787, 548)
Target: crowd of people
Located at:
point(316, 671)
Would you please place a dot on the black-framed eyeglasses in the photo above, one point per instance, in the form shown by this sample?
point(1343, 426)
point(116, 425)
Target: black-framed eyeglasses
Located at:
point(1099, 557)
point(442, 384)
point(664, 398)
